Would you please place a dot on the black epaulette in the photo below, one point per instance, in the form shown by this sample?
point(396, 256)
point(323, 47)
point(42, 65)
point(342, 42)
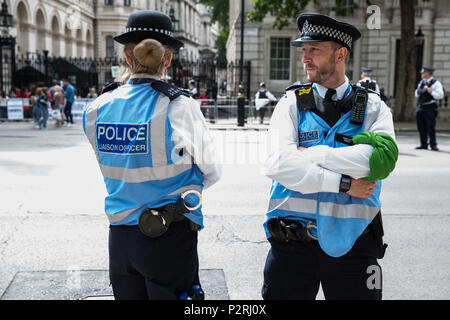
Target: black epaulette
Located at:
point(169, 90)
point(294, 86)
point(356, 86)
point(305, 97)
point(110, 87)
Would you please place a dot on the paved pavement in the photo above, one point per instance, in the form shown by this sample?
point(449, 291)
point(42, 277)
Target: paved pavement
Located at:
point(51, 196)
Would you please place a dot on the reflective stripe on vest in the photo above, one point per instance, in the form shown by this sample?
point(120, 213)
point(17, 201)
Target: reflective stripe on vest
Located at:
point(139, 180)
point(340, 218)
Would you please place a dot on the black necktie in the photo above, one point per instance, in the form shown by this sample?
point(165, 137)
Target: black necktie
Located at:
point(330, 93)
point(331, 112)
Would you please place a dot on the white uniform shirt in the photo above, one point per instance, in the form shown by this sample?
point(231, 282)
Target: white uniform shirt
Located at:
point(261, 103)
point(437, 90)
point(319, 168)
point(191, 134)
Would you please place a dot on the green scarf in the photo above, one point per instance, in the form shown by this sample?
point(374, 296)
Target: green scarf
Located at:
point(384, 155)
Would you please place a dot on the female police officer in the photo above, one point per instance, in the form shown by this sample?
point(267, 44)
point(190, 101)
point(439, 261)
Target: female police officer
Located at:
point(153, 148)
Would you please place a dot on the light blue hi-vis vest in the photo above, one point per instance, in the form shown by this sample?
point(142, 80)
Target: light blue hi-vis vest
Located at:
point(130, 132)
point(340, 218)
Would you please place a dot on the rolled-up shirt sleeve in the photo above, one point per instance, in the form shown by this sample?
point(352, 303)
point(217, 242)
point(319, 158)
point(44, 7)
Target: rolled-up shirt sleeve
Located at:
point(191, 134)
point(285, 163)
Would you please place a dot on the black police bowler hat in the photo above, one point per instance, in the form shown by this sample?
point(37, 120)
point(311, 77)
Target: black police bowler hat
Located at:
point(427, 69)
point(316, 27)
point(149, 24)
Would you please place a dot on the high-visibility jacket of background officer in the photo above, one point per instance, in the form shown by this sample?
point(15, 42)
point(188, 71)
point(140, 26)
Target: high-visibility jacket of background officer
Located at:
point(306, 183)
point(150, 149)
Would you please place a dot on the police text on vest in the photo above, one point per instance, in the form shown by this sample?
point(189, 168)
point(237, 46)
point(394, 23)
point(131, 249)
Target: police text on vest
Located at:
point(122, 138)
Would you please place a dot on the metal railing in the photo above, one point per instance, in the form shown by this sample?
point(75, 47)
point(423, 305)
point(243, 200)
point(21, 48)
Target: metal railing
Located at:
point(222, 110)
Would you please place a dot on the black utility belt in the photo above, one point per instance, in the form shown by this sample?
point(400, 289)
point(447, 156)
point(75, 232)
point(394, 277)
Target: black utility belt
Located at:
point(155, 222)
point(289, 230)
point(428, 106)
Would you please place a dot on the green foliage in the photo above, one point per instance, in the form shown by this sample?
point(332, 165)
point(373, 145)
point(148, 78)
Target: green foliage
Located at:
point(285, 11)
point(219, 12)
point(221, 44)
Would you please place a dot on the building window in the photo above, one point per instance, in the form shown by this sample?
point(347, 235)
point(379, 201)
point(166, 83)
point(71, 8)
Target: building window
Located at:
point(109, 47)
point(280, 57)
point(126, 3)
point(109, 2)
point(345, 7)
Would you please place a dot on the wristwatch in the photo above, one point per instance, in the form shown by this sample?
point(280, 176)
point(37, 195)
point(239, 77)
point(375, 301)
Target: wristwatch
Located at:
point(345, 184)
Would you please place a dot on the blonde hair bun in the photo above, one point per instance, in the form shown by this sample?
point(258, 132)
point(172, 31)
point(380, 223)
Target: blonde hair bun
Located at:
point(149, 52)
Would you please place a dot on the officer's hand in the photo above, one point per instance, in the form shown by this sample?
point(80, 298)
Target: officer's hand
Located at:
point(361, 188)
point(301, 148)
point(429, 90)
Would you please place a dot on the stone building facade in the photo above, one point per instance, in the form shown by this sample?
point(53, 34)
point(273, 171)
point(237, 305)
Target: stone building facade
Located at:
point(85, 28)
point(278, 65)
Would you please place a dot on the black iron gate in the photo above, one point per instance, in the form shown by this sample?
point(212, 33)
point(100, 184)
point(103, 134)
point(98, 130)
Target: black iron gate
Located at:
point(85, 73)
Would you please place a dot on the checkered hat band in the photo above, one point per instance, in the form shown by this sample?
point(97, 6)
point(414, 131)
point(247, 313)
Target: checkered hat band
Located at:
point(167, 32)
point(329, 32)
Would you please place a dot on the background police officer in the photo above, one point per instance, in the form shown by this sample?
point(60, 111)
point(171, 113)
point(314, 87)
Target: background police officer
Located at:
point(367, 81)
point(262, 99)
point(152, 145)
point(324, 221)
point(192, 89)
point(428, 91)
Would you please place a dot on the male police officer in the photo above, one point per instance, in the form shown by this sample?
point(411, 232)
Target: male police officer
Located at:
point(428, 91)
point(262, 99)
point(367, 81)
point(329, 144)
point(193, 92)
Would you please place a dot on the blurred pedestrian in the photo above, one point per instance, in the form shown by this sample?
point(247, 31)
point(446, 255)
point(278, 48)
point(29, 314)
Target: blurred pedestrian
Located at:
point(383, 95)
point(35, 92)
point(92, 93)
point(69, 94)
point(203, 102)
point(26, 93)
point(192, 89)
point(43, 105)
point(202, 97)
point(262, 99)
point(58, 99)
point(428, 91)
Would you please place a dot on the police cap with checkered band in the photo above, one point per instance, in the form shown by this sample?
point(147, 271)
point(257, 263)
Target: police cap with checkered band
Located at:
point(149, 24)
point(316, 27)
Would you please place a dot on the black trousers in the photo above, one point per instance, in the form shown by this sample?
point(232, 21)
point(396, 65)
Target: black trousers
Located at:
point(426, 124)
point(68, 112)
point(262, 113)
point(142, 268)
point(294, 270)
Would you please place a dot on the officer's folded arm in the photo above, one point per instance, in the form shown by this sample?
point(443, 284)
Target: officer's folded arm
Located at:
point(354, 160)
point(318, 168)
point(191, 134)
point(290, 167)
